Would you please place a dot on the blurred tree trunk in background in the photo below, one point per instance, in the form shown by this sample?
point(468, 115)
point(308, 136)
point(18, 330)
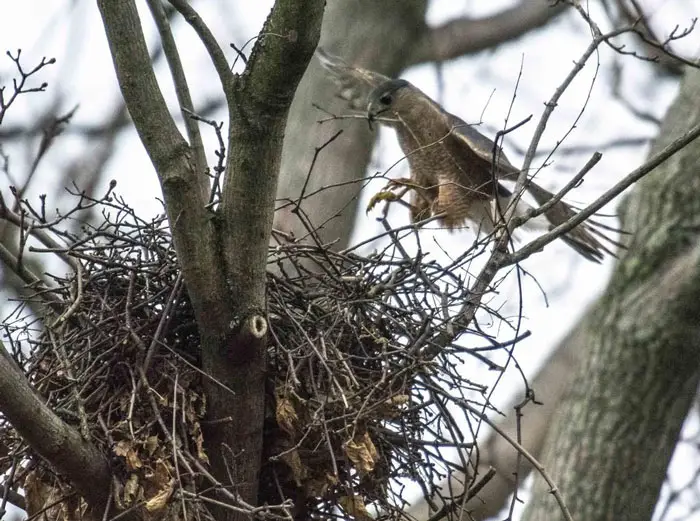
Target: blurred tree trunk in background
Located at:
point(613, 435)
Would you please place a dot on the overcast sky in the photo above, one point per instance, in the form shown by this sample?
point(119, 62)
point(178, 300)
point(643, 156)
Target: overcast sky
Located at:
point(479, 88)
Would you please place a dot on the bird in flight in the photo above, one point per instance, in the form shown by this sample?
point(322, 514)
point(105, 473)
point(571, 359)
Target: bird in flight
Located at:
point(453, 175)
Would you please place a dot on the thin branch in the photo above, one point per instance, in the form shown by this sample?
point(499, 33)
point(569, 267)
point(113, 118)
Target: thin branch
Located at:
point(608, 196)
point(549, 109)
point(23, 272)
point(181, 88)
point(19, 86)
point(28, 225)
point(14, 497)
point(218, 58)
point(573, 183)
point(553, 489)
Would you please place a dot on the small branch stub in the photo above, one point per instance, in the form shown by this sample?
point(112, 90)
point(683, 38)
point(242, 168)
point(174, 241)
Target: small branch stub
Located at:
point(247, 336)
point(256, 325)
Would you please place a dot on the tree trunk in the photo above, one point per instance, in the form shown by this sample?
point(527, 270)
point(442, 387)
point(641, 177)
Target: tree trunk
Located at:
point(617, 426)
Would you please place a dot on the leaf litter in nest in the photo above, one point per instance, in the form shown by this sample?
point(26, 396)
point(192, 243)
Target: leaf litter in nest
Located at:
point(362, 452)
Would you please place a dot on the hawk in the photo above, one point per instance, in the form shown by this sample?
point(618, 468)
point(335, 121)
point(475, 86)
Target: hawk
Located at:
point(453, 175)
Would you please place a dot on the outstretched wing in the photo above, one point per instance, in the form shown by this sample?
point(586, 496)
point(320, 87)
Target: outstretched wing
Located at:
point(355, 83)
point(588, 238)
point(466, 135)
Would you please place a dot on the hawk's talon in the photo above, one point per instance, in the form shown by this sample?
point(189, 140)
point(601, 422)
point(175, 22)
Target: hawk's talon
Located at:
point(384, 195)
point(394, 191)
point(387, 193)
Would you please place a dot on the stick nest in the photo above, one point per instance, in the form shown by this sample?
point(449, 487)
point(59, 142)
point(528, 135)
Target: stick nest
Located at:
point(363, 387)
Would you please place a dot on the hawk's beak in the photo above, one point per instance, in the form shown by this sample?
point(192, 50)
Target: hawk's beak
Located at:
point(371, 115)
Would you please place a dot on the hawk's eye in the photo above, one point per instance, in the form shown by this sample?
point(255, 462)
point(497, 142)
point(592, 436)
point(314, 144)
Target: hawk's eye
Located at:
point(385, 99)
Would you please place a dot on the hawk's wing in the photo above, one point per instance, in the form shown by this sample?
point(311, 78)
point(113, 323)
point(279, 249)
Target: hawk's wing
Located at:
point(466, 135)
point(465, 142)
point(355, 83)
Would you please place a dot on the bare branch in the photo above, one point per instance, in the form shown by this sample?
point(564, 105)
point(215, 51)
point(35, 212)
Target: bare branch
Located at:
point(468, 35)
point(216, 54)
point(608, 196)
point(553, 489)
point(20, 86)
point(59, 443)
point(181, 89)
point(633, 14)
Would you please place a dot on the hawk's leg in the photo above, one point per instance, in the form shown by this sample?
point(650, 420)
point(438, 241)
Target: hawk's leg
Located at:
point(396, 189)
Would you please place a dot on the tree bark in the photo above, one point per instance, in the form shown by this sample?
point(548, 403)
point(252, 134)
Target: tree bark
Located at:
point(57, 442)
point(223, 254)
point(615, 430)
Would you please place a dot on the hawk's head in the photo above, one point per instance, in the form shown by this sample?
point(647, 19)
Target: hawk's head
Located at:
point(386, 99)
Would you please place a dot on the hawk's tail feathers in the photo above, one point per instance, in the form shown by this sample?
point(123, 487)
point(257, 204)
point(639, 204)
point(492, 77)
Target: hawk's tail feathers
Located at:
point(588, 238)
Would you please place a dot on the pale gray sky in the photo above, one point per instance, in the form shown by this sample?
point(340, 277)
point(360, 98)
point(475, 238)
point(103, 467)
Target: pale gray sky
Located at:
point(476, 88)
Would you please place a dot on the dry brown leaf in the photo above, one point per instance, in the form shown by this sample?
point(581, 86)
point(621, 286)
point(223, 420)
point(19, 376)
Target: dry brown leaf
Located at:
point(132, 490)
point(286, 415)
point(163, 473)
point(190, 408)
point(362, 453)
point(355, 506)
point(398, 400)
point(392, 407)
point(293, 461)
point(317, 487)
point(160, 500)
point(38, 493)
point(125, 448)
point(151, 445)
point(196, 433)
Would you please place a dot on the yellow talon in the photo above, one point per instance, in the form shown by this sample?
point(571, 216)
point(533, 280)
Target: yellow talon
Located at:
point(384, 195)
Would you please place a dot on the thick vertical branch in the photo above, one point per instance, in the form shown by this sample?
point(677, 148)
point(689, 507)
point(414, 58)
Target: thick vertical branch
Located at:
point(258, 115)
point(191, 223)
point(264, 94)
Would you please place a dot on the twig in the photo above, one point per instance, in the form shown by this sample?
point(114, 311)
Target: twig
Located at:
point(608, 196)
